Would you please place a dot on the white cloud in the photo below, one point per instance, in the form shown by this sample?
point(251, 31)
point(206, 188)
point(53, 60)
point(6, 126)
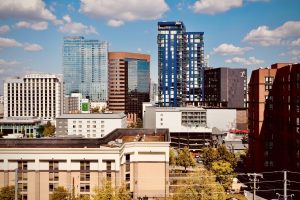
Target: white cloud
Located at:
point(122, 11)
point(4, 29)
point(38, 26)
point(295, 42)
point(4, 62)
point(32, 47)
point(8, 42)
point(139, 50)
point(259, 0)
point(67, 18)
point(267, 37)
point(245, 61)
point(76, 28)
point(29, 9)
point(115, 23)
point(215, 6)
point(230, 49)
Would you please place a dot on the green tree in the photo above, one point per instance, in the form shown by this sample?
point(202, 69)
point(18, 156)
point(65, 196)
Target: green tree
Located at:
point(226, 155)
point(7, 193)
point(40, 130)
point(49, 130)
point(108, 192)
point(172, 157)
point(237, 196)
point(23, 132)
point(60, 193)
point(224, 172)
point(185, 158)
point(139, 123)
point(209, 155)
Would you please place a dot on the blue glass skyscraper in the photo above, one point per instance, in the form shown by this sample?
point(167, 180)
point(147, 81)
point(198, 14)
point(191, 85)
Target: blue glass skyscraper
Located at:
point(180, 65)
point(85, 67)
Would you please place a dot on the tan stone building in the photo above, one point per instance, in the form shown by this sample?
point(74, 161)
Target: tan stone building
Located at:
point(139, 158)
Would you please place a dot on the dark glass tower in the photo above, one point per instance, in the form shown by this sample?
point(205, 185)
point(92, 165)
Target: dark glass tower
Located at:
point(180, 65)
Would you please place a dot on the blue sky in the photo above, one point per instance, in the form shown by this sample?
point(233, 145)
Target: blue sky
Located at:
point(238, 33)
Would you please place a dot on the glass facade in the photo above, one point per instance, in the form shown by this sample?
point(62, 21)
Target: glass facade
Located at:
point(138, 77)
point(85, 67)
point(180, 65)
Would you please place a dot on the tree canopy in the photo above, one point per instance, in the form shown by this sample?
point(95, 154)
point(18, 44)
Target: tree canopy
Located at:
point(49, 129)
point(7, 193)
point(108, 192)
point(60, 193)
point(185, 158)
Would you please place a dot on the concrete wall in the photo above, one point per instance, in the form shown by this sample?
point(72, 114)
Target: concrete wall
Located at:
point(223, 119)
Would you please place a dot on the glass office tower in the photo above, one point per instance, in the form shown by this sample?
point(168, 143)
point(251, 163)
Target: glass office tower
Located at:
point(180, 65)
point(85, 67)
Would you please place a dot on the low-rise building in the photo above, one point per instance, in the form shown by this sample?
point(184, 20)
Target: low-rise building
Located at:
point(19, 126)
point(139, 158)
point(92, 125)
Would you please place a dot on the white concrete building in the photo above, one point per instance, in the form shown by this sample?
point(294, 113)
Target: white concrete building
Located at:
point(89, 125)
point(187, 125)
point(81, 165)
point(34, 95)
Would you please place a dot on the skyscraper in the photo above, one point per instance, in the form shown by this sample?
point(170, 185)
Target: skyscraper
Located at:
point(180, 65)
point(129, 82)
point(85, 65)
point(225, 87)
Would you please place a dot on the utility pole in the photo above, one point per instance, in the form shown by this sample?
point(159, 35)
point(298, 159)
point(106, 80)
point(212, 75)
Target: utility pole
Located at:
point(255, 175)
point(285, 185)
point(16, 184)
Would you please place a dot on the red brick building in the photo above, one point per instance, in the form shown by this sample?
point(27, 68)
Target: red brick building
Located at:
point(273, 118)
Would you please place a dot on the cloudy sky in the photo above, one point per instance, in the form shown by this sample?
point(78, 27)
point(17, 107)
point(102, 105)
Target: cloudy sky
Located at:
point(238, 33)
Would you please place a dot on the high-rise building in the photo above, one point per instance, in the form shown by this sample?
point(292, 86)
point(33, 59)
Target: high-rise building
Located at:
point(180, 65)
point(34, 95)
point(274, 118)
point(129, 83)
point(85, 66)
point(225, 87)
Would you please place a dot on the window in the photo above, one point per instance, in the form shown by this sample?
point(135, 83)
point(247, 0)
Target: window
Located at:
point(53, 176)
point(108, 165)
point(22, 187)
point(85, 165)
point(127, 177)
point(84, 176)
point(53, 165)
point(52, 186)
point(22, 165)
point(84, 187)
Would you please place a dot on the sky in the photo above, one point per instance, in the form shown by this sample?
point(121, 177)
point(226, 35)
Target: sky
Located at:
point(237, 33)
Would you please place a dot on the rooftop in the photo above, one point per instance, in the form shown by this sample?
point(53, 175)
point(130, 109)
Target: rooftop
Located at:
point(124, 135)
point(93, 116)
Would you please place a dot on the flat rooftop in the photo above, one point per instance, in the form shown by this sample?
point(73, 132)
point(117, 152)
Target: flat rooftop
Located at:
point(125, 135)
point(93, 116)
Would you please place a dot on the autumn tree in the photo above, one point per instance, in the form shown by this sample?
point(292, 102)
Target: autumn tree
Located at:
point(108, 192)
point(185, 158)
point(49, 130)
point(199, 185)
point(172, 157)
point(224, 173)
point(7, 193)
point(60, 193)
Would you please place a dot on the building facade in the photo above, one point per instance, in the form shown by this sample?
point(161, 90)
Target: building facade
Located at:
point(34, 95)
point(180, 65)
point(89, 125)
point(273, 115)
point(85, 65)
point(82, 165)
point(129, 83)
point(225, 87)
point(19, 126)
point(187, 126)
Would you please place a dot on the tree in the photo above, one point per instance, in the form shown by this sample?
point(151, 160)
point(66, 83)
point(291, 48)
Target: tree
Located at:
point(40, 130)
point(7, 193)
point(209, 155)
point(96, 110)
point(172, 157)
point(107, 192)
point(185, 158)
point(139, 123)
point(226, 155)
point(49, 130)
point(199, 185)
point(224, 172)
point(237, 196)
point(60, 193)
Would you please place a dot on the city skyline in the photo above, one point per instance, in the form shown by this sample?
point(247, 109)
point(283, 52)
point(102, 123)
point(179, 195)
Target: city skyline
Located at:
point(254, 32)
